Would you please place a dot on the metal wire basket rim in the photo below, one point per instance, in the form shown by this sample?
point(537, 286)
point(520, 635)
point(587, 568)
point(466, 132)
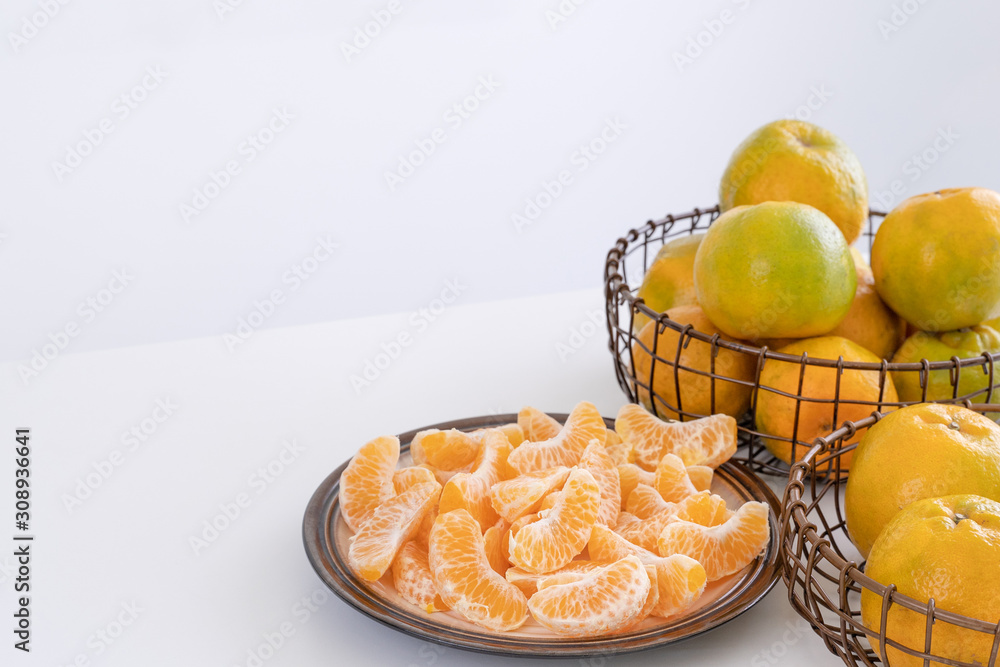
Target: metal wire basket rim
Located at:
point(617, 284)
point(796, 507)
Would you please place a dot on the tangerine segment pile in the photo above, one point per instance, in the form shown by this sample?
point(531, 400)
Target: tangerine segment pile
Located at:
point(607, 600)
point(564, 522)
point(709, 441)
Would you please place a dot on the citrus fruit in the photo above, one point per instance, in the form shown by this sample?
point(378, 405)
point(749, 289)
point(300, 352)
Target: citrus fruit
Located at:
point(536, 425)
point(645, 502)
point(774, 270)
point(411, 576)
point(656, 353)
point(671, 479)
point(920, 451)
point(446, 451)
point(942, 346)
point(513, 498)
point(390, 526)
point(464, 578)
point(709, 441)
point(645, 532)
point(724, 549)
point(493, 545)
point(558, 534)
point(606, 600)
point(598, 463)
point(631, 476)
point(514, 433)
point(701, 476)
point(471, 490)
point(945, 549)
point(936, 259)
point(404, 478)
point(367, 480)
point(528, 581)
point(681, 580)
point(791, 160)
point(619, 450)
point(776, 413)
point(669, 281)
point(705, 509)
point(565, 448)
point(869, 322)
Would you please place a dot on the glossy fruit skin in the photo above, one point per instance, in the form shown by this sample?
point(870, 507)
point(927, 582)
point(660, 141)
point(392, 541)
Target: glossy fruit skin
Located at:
point(942, 346)
point(942, 548)
point(869, 322)
point(731, 398)
point(791, 160)
point(669, 282)
point(774, 270)
point(776, 413)
point(936, 259)
point(917, 452)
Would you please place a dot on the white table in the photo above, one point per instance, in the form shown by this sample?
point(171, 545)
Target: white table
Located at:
point(128, 543)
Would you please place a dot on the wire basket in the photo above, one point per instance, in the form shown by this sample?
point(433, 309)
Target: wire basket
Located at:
point(824, 572)
point(660, 385)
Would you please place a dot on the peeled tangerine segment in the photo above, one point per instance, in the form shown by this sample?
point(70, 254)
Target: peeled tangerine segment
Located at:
point(565, 449)
point(464, 579)
point(607, 600)
point(513, 498)
point(449, 451)
point(536, 425)
point(471, 490)
point(645, 502)
point(671, 479)
point(724, 549)
point(681, 580)
point(366, 483)
point(559, 534)
point(392, 524)
point(599, 463)
point(709, 441)
point(411, 575)
point(529, 582)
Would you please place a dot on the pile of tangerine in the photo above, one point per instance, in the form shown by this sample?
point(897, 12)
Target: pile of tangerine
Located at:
point(588, 529)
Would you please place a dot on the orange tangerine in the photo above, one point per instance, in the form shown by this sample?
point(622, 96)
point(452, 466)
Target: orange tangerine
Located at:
point(450, 450)
point(536, 425)
point(606, 600)
point(565, 449)
point(513, 498)
point(367, 480)
point(631, 476)
point(558, 534)
point(645, 502)
point(724, 549)
point(705, 509)
point(493, 542)
point(392, 524)
point(471, 490)
point(405, 478)
point(596, 460)
point(464, 578)
point(528, 581)
point(671, 479)
point(644, 532)
point(701, 477)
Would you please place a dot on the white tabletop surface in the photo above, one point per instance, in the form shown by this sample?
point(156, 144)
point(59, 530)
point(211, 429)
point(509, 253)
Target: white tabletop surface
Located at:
point(124, 554)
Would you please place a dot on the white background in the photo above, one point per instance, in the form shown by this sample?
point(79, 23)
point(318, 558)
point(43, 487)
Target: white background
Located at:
point(888, 94)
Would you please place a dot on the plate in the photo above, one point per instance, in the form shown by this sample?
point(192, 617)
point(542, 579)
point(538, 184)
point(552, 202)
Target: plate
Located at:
point(326, 542)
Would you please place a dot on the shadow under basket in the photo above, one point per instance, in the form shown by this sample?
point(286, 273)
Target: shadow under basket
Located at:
point(661, 383)
point(824, 572)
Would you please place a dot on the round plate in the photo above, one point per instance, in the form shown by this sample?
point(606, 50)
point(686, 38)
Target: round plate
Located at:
point(326, 541)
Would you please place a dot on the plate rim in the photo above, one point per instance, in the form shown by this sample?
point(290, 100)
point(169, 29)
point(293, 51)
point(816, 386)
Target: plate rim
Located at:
point(315, 536)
